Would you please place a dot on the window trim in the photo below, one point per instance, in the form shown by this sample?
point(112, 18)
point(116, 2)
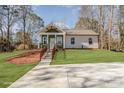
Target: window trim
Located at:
point(44, 40)
point(90, 41)
point(72, 40)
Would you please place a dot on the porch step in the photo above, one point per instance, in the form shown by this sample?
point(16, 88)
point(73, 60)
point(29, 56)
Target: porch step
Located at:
point(45, 61)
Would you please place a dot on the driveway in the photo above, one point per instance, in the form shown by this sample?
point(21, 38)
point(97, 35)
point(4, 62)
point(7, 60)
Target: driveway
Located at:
point(104, 75)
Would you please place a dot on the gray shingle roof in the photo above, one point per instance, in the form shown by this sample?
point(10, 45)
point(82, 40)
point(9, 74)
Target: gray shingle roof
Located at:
point(80, 32)
point(69, 31)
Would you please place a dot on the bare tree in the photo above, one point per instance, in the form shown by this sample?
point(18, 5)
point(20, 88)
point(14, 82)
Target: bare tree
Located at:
point(24, 12)
point(121, 25)
point(110, 26)
point(8, 14)
point(86, 11)
point(30, 22)
point(34, 24)
point(98, 18)
point(100, 26)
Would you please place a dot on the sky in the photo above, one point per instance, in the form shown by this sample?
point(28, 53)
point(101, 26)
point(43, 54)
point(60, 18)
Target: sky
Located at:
point(58, 13)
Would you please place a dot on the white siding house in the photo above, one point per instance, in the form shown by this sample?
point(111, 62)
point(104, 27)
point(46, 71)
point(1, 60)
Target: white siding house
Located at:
point(82, 42)
point(52, 36)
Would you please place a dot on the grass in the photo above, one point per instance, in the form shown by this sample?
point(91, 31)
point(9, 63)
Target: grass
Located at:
point(87, 56)
point(11, 72)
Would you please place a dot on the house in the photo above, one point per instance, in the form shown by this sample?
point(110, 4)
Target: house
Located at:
point(52, 35)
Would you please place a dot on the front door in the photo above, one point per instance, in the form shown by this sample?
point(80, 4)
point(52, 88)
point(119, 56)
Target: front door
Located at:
point(52, 43)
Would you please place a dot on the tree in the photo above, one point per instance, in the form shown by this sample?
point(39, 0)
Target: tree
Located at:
point(20, 39)
point(100, 27)
point(34, 24)
point(18, 18)
point(24, 12)
point(85, 18)
point(8, 14)
point(88, 23)
point(100, 19)
point(91, 17)
point(121, 25)
point(31, 22)
point(86, 11)
point(110, 26)
point(1, 31)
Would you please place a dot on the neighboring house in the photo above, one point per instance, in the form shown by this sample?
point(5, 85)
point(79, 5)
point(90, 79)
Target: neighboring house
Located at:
point(52, 35)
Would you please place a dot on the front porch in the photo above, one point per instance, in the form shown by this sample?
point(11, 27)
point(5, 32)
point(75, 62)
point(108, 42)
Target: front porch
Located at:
point(53, 40)
point(52, 37)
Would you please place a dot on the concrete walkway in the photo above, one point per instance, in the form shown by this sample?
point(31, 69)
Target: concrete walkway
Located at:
point(104, 75)
point(47, 58)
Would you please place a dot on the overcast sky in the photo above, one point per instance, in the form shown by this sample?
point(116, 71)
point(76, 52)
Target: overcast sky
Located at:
point(56, 13)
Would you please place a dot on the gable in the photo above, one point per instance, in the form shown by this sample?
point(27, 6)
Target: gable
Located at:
point(51, 28)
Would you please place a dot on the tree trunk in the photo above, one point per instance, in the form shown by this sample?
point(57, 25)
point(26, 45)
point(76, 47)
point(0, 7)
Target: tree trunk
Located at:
point(1, 34)
point(100, 28)
point(8, 29)
point(24, 24)
point(110, 28)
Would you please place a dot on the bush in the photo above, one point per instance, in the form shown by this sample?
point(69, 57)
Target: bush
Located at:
point(45, 45)
point(59, 46)
point(6, 46)
point(21, 46)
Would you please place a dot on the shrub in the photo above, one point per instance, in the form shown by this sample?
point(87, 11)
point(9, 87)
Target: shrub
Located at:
point(6, 46)
point(21, 46)
point(59, 46)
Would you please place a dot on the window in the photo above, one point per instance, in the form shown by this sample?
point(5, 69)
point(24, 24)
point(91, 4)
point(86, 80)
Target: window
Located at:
point(44, 40)
point(59, 40)
point(72, 40)
point(90, 41)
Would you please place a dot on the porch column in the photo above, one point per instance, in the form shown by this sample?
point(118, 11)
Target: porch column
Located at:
point(41, 42)
point(63, 40)
point(47, 40)
point(55, 40)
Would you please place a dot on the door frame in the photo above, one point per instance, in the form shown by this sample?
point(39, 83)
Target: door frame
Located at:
point(51, 36)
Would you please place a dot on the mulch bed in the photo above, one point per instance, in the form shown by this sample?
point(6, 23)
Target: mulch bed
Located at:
point(29, 57)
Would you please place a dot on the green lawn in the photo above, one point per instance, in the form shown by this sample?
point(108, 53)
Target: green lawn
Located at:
point(11, 72)
point(87, 56)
